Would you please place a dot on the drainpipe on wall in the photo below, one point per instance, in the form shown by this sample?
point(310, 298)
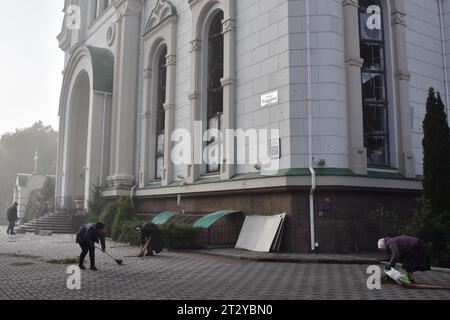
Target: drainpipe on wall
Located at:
point(444, 56)
point(310, 132)
point(133, 189)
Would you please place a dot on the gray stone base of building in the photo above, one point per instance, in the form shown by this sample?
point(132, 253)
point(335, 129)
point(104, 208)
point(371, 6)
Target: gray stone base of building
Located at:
point(342, 215)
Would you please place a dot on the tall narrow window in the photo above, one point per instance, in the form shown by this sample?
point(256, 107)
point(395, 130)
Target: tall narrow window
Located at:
point(215, 90)
point(161, 114)
point(373, 77)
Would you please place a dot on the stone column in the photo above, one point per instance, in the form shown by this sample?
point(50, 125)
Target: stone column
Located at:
point(169, 107)
point(95, 137)
point(126, 88)
point(146, 116)
point(406, 161)
point(357, 151)
point(195, 115)
point(106, 138)
point(229, 92)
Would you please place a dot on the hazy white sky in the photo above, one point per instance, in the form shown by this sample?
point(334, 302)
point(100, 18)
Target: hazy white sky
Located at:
point(30, 62)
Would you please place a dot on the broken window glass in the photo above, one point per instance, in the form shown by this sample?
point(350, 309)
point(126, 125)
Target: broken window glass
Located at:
point(373, 80)
point(215, 90)
point(161, 114)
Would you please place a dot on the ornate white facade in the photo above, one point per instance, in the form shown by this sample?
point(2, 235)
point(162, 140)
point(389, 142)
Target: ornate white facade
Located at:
point(117, 116)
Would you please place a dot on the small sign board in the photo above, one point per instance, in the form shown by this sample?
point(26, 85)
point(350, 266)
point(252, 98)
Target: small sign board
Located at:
point(275, 148)
point(269, 99)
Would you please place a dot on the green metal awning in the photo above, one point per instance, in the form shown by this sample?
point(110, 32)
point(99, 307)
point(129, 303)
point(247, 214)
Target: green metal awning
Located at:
point(164, 217)
point(212, 218)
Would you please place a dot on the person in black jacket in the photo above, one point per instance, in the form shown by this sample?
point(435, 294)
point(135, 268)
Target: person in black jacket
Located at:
point(150, 238)
point(12, 218)
point(88, 235)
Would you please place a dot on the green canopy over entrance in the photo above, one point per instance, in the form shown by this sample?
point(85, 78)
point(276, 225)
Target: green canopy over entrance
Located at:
point(164, 217)
point(212, 218)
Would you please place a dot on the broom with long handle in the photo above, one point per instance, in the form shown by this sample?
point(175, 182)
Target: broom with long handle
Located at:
point(118, 261)
point(141, 254)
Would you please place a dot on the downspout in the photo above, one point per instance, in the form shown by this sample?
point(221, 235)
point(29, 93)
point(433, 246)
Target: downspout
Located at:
point(444, 57)
point(310, 132)
point(133, 189)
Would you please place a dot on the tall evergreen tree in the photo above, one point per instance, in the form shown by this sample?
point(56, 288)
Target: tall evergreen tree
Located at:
point(431, 222)
point(436, 161)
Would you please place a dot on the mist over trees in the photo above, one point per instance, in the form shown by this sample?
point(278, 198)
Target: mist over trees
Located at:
point(17, 150)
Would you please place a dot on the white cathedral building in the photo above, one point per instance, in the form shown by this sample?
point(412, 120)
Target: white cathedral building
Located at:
point(339, 85)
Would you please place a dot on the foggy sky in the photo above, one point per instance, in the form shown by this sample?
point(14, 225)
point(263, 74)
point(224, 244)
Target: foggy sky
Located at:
point(30, 62)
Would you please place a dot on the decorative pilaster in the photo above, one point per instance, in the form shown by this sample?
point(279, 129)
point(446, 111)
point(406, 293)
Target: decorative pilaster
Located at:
point(229, 94)
point(357, 151)
point(194, 169)
point(169, 107)
point(146, 116)
point(406, 159)
point(129, 13)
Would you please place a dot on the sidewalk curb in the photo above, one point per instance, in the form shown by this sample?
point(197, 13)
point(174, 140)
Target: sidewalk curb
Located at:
point(290, 259)
point(361, 261)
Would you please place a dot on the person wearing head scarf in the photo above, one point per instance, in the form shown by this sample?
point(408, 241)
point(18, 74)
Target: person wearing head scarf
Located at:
point(407, 249)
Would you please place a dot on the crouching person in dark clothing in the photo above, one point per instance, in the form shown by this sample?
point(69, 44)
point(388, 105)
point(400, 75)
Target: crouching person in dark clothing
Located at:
point(150, 239)
point(88, 235)
point(408, 250)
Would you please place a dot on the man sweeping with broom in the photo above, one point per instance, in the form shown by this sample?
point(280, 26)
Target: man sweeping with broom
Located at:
point(88, 235)
point(150, 239)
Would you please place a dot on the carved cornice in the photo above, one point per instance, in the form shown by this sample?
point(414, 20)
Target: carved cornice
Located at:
point(163, 11)
point(398, 18)
point(147, 73)
point(146, 115)
point(171, 59)
point(227, 82)
point(193, 3)
point(403, 75)
point(168, 106)
point(196, 45)
point(229, 25)
point(350, 3)
point(194, 96)
point(354, 62)
point(128, 8)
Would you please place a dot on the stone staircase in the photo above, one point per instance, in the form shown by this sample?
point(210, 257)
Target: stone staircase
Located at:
point(57, 222)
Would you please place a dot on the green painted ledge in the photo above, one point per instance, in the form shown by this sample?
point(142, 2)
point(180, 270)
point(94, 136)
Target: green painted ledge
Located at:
point(293, 172)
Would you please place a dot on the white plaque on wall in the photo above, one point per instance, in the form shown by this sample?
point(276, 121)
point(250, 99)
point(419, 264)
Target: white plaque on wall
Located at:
point(269, 99)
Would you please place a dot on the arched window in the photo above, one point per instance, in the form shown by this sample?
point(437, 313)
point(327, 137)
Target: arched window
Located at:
point(160, 113)
point(215, 75)
point(373, 78)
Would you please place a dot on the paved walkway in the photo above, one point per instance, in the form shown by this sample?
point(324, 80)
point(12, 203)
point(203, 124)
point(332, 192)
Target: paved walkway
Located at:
point(26, 274)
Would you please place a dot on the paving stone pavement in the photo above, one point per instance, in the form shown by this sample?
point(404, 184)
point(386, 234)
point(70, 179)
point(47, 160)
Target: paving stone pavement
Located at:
point(26, 274)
